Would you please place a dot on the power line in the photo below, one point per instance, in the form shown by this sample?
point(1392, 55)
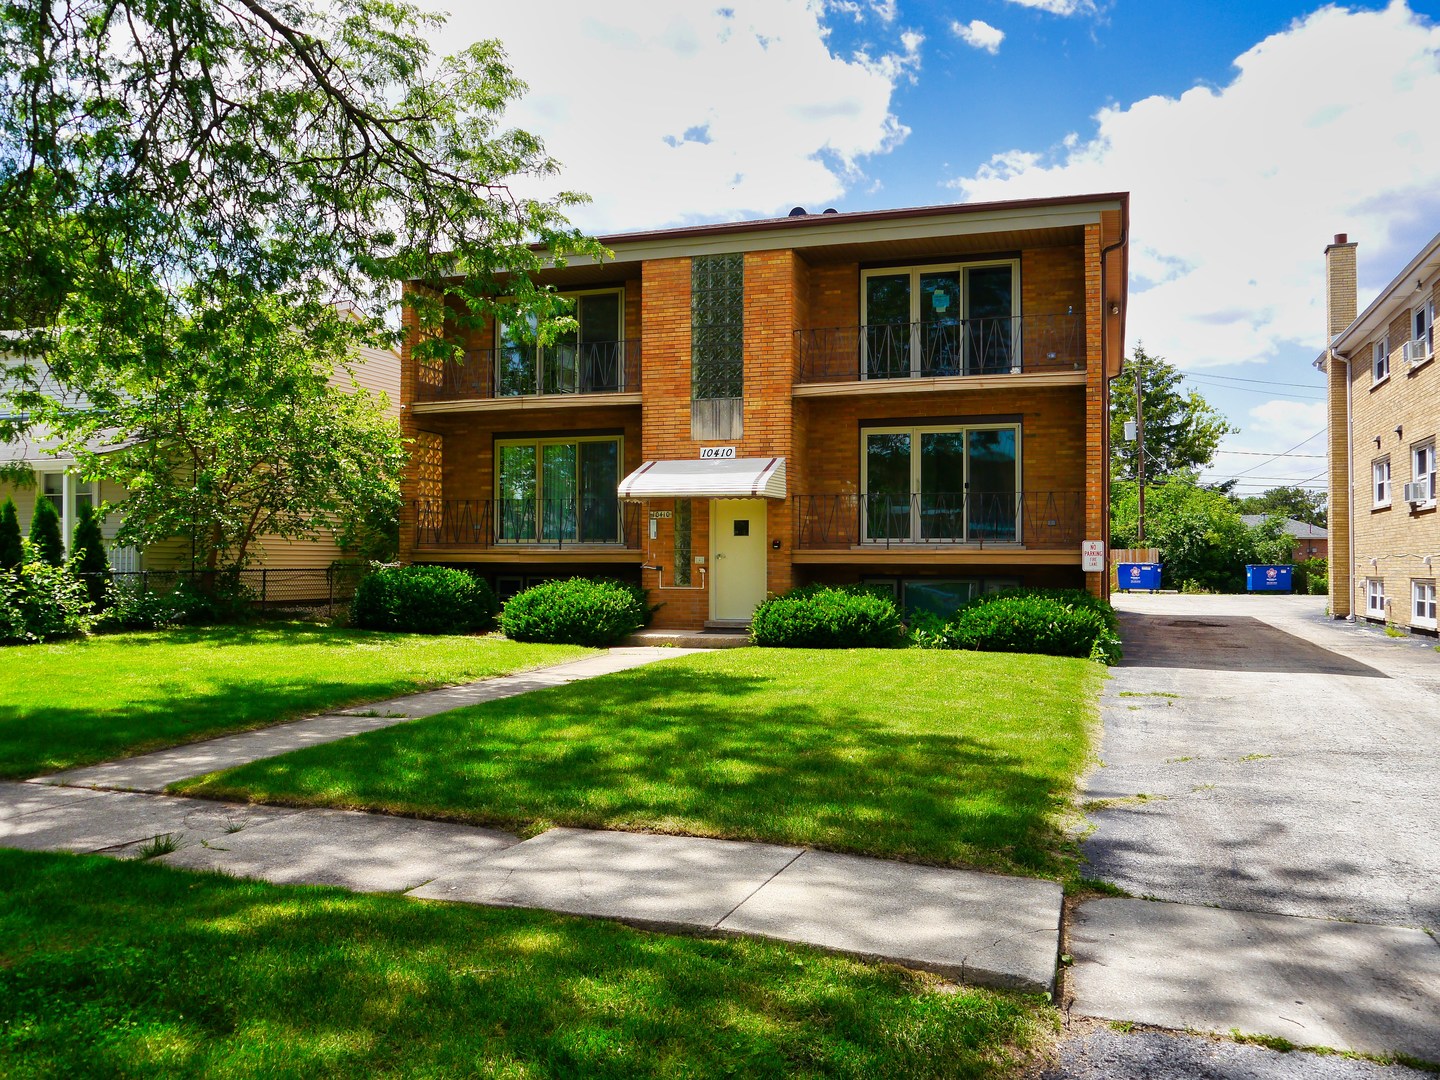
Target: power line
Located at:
point(1263, 453)
point(1258, 382)
point(1292, 449)
point(1267, 393)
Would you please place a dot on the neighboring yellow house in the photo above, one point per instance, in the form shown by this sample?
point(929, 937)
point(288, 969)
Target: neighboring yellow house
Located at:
point(377, 370)
point(1384, 417)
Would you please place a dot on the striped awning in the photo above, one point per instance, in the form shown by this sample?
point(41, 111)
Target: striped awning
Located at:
point(735, 478)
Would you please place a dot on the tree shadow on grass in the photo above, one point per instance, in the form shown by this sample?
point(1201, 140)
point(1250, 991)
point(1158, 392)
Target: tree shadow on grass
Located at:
point(110, 968)
point(708, 754)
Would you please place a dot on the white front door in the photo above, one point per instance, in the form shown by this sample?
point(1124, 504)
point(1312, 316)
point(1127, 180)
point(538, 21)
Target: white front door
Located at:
point(737, 550)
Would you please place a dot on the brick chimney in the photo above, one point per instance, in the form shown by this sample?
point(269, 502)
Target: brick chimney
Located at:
point(1341, 303)
point(1341, 289)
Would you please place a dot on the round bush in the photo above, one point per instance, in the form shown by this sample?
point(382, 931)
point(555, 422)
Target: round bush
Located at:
point(578, 611)
point(423, 600)
point(824, 617)
point(1033, 624)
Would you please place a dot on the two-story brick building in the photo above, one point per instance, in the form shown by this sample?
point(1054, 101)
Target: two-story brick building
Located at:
point(1384, 415)
point(915, 398)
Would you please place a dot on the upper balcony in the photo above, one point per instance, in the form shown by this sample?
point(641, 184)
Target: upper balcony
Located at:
point(941, 349)
point(567, 373)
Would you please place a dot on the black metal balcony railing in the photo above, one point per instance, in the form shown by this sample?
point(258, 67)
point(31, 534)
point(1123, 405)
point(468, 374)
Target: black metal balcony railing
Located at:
point(601, 367)
point(1036, 519)
point(553, 523)
point(995, 346)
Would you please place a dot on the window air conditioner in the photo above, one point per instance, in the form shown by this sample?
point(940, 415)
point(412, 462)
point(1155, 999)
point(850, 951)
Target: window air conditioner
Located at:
point(1417, 351)
point(1419, 491)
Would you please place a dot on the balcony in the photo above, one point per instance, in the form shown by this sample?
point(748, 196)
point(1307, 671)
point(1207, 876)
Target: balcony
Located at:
point(958, 347)
point(499, 525)
point(1034, 520)
point(601, 367)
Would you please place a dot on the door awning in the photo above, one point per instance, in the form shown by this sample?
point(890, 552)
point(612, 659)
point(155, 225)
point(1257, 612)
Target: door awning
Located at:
point(733, 478)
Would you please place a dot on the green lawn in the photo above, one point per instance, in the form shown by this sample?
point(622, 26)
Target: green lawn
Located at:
point(79, 702)
point(962, 759)
point(116, 969)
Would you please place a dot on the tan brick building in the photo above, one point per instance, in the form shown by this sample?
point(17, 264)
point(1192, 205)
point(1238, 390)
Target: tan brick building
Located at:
point(1384, 416)
point(915, 398)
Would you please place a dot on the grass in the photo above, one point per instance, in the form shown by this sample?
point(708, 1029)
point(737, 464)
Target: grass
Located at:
point(75, 703)
point(959, 759)
point(124, 969)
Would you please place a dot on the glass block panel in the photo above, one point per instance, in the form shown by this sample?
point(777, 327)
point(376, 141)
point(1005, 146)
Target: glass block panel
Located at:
point(683, 546)
point(717, 326)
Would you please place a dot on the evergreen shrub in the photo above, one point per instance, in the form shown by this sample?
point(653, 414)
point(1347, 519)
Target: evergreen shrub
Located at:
point(576, 611)
point(828, 617)
point(87, 556)
point(423, 600)
point(1037, 623)
point(45, 539)
point(12, 551)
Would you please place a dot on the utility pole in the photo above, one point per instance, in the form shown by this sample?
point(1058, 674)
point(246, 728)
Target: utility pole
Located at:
point(1140, 453)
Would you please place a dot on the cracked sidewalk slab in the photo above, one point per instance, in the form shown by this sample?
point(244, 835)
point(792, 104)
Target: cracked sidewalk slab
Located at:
point(983, 929)
point(649, 879)
point(1349, 986)
point(345, 848)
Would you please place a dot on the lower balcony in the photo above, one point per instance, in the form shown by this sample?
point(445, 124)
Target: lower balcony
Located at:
point(927, 522)
point(602, 530)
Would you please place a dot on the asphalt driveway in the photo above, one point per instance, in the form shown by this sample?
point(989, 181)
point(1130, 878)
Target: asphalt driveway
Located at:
point(1259, 756)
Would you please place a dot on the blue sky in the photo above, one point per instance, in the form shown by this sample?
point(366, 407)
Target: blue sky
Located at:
point(1248, 134)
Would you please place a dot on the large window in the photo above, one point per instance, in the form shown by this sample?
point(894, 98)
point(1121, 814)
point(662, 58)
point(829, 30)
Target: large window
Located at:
point(1380, 361)
point(1375, 598)
point(588, 359)
point(941, 320)
point(1422, 604)
point(941, 484)
point(1422, 472)
point(553, 490)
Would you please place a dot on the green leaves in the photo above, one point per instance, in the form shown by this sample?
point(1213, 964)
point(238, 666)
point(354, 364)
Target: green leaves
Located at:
point(1182, 429)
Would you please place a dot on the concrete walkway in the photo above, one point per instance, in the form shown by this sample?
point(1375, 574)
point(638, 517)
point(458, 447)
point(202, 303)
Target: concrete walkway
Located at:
point(983, 929)
point(1267, 773)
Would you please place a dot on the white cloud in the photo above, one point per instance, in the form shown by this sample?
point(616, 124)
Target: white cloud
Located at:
point(697, 110)
point(979, 34)
point(1060, 7)
point(1328, 127)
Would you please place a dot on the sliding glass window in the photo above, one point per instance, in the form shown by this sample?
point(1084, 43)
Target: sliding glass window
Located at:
point(928, 321)
point(589, 359)
point(942, 484)
point(552, 490)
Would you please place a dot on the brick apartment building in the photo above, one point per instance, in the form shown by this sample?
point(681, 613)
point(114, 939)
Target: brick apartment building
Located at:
point(915, 398)
point(1384, 414)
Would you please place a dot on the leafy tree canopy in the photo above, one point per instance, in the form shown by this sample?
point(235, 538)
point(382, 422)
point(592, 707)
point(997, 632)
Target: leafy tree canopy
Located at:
point(1182, 429)
point(192, 152)
point(1291, 502)
point(247, 435)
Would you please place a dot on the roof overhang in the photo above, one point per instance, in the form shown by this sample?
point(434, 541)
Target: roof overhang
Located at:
point(1398, 296)
point(727, 478)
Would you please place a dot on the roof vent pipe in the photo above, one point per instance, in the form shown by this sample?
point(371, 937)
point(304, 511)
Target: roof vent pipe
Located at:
point(1342, 238)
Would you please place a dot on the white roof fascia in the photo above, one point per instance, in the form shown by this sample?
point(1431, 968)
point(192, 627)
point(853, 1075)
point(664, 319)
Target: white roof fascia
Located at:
point(1394, 297)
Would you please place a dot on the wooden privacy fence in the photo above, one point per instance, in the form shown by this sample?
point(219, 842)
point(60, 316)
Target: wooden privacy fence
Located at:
point(1130, 555)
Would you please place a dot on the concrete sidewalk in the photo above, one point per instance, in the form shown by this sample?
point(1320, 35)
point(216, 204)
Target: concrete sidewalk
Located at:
point(976, 928)
point(155, 772)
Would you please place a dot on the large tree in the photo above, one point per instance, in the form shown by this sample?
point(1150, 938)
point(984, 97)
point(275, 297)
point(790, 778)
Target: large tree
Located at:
point(1182, 429)
point(258, 432)
point(160, 158)
point(1289, 501)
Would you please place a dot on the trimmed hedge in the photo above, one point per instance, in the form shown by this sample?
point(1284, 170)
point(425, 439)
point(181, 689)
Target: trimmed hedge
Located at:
point(576, 611)
point(828, 617)
point(1053, 622)
point(423, 600)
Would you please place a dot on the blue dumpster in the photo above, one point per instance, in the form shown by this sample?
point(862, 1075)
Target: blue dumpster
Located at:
point(1268, 578)
point(1138, 575)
